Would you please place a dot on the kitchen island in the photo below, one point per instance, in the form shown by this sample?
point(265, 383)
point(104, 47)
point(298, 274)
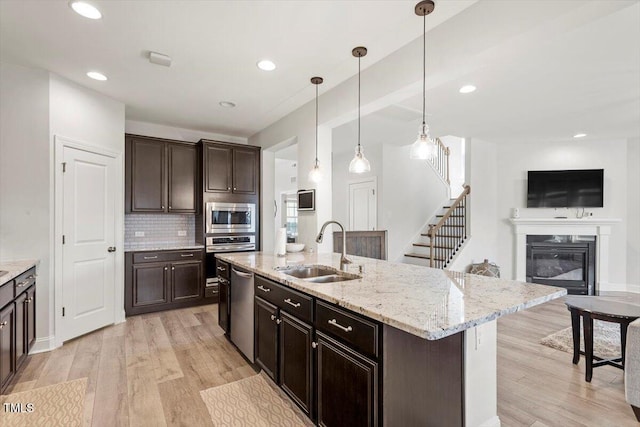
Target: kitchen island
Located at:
point(436, 363)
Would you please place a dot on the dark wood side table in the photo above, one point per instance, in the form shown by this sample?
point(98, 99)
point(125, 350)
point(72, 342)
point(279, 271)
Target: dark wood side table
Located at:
point(621, 308)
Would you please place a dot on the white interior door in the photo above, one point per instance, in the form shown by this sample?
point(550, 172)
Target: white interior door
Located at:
point(88, 266)
point(363, 202)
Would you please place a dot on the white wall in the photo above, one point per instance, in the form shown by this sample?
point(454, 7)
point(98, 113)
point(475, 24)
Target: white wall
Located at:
point(24, 177)
point(633, 214)
point(413, 193)
point(341, 179)
point(481, 175)
point(180, 134)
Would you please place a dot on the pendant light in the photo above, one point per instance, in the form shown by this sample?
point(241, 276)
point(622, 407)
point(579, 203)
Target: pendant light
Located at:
point(316, 173)
point(425, 147)
point(359, 164)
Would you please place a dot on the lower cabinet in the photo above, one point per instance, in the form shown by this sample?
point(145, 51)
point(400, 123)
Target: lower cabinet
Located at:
point(164, 280)
point(347, 385)
point(223, 304)
point(25, 324)
point(7, 344)
point(329, 367)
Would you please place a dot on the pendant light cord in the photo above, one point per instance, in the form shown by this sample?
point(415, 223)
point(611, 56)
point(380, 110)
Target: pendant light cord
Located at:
point(316, 125)
point(359, 58)
point(424, 70)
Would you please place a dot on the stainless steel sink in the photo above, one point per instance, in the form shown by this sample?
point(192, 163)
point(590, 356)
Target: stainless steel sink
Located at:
point(329, 279)
point(309, 271)
point(317, 273)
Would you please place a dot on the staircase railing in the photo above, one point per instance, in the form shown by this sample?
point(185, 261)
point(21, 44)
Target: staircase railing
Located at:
point(441, 160)
point(444, 242)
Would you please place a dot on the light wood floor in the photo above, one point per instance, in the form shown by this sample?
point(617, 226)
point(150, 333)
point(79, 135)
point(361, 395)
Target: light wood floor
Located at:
point(149, 371)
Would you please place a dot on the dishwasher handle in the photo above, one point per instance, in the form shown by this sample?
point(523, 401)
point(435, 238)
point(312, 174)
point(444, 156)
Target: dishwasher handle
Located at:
point(242, 274)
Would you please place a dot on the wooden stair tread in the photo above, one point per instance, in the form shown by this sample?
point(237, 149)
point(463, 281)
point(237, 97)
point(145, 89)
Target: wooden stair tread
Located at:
point(451, 216)
point(426, 245)
point(414, 255)
point(442, 235)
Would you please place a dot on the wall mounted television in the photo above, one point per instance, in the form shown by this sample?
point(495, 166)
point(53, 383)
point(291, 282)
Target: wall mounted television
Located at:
point(566, 189)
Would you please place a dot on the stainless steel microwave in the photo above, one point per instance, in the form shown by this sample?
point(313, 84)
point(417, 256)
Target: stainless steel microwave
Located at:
point(230, 217)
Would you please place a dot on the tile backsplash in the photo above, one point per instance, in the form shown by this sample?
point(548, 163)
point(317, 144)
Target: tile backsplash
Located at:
point(142, 230)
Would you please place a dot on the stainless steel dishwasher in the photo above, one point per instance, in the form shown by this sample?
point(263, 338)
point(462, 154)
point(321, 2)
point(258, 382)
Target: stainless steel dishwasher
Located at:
point(242, 311)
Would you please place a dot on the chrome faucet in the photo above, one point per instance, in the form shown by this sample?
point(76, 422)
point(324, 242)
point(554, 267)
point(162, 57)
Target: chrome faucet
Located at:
point(344, 261)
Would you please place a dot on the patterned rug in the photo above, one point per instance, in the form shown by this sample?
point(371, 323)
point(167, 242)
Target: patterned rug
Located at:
point(606, 340)
point(55, 405)
point(252, 402)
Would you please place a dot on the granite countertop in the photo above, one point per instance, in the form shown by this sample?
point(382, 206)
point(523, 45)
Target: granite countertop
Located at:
point(15, 268)
point(425, 302)
point(159, 247)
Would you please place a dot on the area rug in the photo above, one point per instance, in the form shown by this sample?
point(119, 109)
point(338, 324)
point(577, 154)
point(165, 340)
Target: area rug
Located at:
point(606, 340)
point(252, 402)
point(55, 405)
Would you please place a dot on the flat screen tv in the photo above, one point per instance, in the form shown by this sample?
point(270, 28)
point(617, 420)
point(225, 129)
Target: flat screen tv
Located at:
point(566, 189)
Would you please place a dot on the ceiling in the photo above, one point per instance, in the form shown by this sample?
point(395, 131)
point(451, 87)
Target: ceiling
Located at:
point(563, 75)
point(214, 46)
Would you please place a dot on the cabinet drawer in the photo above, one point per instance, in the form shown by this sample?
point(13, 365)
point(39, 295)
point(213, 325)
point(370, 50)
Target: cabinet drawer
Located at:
point(166, 256)
point(25, 280)
point(293, 302)
point(222, 269)
point(361, 333)
point(6, 293)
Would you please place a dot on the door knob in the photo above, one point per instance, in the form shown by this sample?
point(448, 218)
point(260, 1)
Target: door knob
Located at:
point(111, 249)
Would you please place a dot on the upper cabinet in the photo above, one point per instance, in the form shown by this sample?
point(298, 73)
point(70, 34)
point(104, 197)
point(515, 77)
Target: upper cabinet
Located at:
point(230, 168)
point(161, 175)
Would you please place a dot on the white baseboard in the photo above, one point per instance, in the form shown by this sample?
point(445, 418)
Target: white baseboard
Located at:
point(620, 287)
point(43, 345)
point(491, 422)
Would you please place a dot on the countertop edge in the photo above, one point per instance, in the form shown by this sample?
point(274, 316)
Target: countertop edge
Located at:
point(16, 268)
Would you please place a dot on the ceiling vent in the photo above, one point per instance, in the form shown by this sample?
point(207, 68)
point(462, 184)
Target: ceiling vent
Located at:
point(160, 59)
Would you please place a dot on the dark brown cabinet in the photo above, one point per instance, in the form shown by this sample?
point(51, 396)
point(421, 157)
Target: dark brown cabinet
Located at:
point(231, 169)
point(25, 324)
point(163, 280)
point(296, 374)
point(161, 175)
point(7, 344)
point(266, 337)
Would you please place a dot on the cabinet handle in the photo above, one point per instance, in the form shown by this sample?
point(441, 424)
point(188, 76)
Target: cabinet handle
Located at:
point(22, 284)
point(234, 188)
point(314, 344)
point(151, 257)
point(173, 268)
point(295, 304)
point(33, 276)
point(169, 207)
point(28, 300)
point(263, 289)
point(334, 322)
point(273, 317)
point(186, 255)
point(3, 324)
point(228, 188)
point(221, 268)
point(278, 321)
point(165, 269)
point(162, 206)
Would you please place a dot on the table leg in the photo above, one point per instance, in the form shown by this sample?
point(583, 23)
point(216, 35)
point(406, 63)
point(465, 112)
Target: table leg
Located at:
point(588, 346)
point(575, 328)
point(623, 340)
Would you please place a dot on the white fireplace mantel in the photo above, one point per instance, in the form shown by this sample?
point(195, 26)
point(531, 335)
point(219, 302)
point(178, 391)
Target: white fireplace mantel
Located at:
point(599, 227)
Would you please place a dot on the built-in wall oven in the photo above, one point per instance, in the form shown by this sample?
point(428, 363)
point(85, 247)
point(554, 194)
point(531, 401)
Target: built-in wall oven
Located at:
point(226, 218)
point(226, 243)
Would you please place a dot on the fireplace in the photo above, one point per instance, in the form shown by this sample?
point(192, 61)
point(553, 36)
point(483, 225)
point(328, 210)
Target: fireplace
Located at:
point(562, 260)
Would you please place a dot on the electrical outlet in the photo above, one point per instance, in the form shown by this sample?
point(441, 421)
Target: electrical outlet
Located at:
point(182, 233)
point(139, 234)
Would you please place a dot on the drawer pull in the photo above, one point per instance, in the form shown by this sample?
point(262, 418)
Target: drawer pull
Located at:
point(151, 257)
point(28, 300)
point(221, 268)
point(22, 284)
point(263, 289)
point(314, 344)
point(273, 317)
point(3, 324)
point(334, 322)
point(33, 276)
point(186, 255)
point(295, 304)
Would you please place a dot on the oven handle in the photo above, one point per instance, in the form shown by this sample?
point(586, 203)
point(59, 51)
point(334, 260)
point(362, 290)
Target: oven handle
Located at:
point(230, 248)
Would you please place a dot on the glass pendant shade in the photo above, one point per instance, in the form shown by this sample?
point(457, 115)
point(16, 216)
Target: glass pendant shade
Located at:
point(424, 148)
point(315, 175)
point(359, 164)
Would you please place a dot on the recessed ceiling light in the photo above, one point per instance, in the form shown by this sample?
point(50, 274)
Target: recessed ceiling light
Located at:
point(467, 89)
point(579, 135)
point(97, 76)
point(227, 104)
point(85, 9)
point(266, 65)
